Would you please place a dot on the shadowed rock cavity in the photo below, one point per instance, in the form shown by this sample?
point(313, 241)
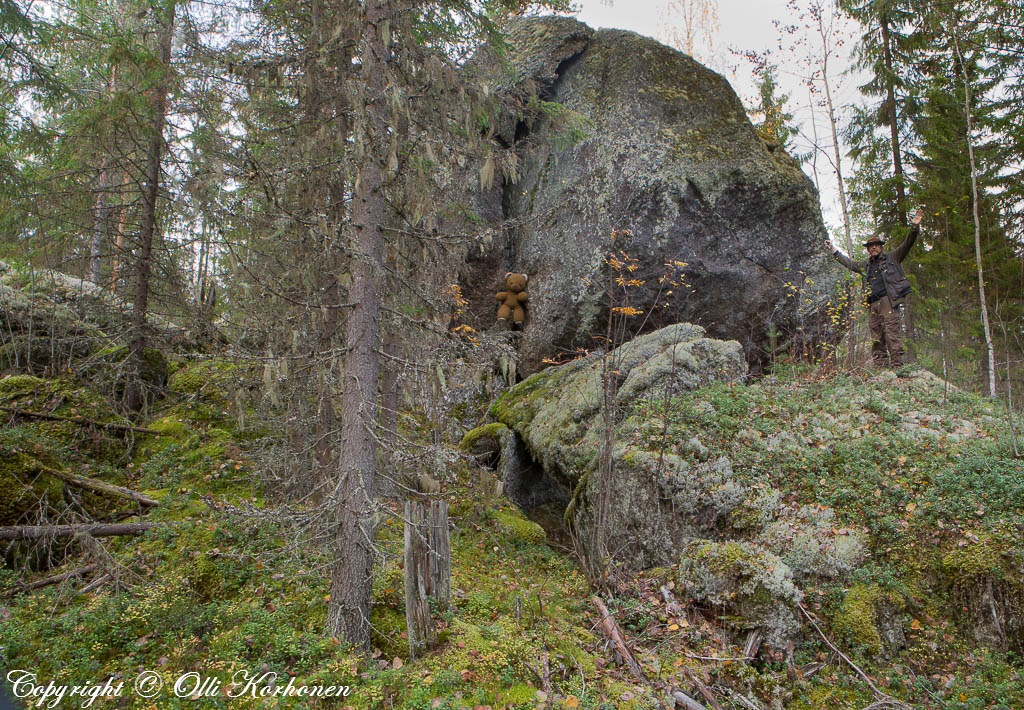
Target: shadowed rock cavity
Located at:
point(523, 480)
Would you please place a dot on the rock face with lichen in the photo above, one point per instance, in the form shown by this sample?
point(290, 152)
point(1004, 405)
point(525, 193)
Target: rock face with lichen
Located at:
point(618, 131)
point(664, 500)
point(557, 413)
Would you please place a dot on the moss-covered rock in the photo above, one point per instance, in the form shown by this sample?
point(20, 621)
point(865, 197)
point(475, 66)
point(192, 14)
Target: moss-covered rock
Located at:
point(745, 579)
point(519, 527)
point(976, 559)
point(214, 380)
point(492, 431)
point(624, 130)
point(986, 575)
point(657, 499)
point(43, 336)
point(57, 441)
point(870, 619)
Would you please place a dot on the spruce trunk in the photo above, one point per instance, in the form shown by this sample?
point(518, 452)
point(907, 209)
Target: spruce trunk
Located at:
point(133, 396)
point(348, 609)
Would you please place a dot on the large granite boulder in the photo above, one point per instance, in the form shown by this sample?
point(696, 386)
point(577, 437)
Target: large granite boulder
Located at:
point(616, 131)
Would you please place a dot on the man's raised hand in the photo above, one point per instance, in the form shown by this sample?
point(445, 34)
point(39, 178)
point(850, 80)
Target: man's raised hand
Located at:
point(918, 216)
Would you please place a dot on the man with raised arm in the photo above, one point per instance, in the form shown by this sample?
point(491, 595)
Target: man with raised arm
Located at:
point(885, 287)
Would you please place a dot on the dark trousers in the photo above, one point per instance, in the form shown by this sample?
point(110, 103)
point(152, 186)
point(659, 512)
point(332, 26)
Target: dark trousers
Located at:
point(886, 338)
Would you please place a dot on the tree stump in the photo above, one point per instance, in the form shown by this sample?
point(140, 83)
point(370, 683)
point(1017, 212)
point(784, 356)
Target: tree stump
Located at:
point(427, 569)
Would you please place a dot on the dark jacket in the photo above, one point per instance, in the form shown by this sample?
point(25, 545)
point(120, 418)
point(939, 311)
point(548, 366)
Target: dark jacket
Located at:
point(896, 284)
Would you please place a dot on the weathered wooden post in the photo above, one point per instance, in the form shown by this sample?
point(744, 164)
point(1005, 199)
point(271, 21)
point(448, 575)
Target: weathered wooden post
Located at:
point(427, 569)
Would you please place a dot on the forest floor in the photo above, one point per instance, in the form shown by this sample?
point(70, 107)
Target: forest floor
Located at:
point(228, 586)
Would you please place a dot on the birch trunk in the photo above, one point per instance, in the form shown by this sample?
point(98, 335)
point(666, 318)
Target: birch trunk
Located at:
point(977, 220)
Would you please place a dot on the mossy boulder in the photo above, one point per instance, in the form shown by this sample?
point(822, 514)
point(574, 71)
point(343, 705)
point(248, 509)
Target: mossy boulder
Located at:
point(519, 528)
point(870, 619)
point(812, 542)
point(216, 381)
point(657, 500)
point(43, 335)
point(977, 559)
point(56, 441)
point(747, 580)
point(614, 129)
point(986, 575)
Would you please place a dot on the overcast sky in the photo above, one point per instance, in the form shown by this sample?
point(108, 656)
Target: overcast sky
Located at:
point(743, 25)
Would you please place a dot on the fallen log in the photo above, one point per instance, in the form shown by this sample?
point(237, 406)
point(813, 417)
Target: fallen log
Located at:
point(704, 690)
point(97, 486)
point(57, 578)
point(614, 634)
point(38, 532)
point(82, 421)
point(685, 701)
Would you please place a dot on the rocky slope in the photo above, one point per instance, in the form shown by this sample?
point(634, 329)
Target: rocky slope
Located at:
point(888, 510)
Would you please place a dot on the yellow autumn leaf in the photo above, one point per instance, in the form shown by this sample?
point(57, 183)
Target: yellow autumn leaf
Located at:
point(572, 702)
point(911, 507)
point(915, 625)
point(673, 627)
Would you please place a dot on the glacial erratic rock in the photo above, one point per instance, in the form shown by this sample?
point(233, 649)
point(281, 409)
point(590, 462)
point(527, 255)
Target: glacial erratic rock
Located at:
point(618, 131)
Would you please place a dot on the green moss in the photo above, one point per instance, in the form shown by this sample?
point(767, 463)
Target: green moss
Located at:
point(387, 631)
point(23, 485)
point(516, 406)
point(213, 380)
point(20, 384)
point(493, 430)
point(168, 426)
point(829, 697)
point(857, 618)
point(520, 528)
point(206, 578)
point(975, 560)
point(519, 693)
point(64, 397)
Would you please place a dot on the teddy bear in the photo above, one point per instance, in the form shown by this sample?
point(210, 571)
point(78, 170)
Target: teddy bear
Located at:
point(513, 298)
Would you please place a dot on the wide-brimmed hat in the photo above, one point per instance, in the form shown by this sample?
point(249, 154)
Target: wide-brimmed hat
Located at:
point(875, 240)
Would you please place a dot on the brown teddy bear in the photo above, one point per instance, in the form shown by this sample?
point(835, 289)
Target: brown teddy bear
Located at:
point(513, 299)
